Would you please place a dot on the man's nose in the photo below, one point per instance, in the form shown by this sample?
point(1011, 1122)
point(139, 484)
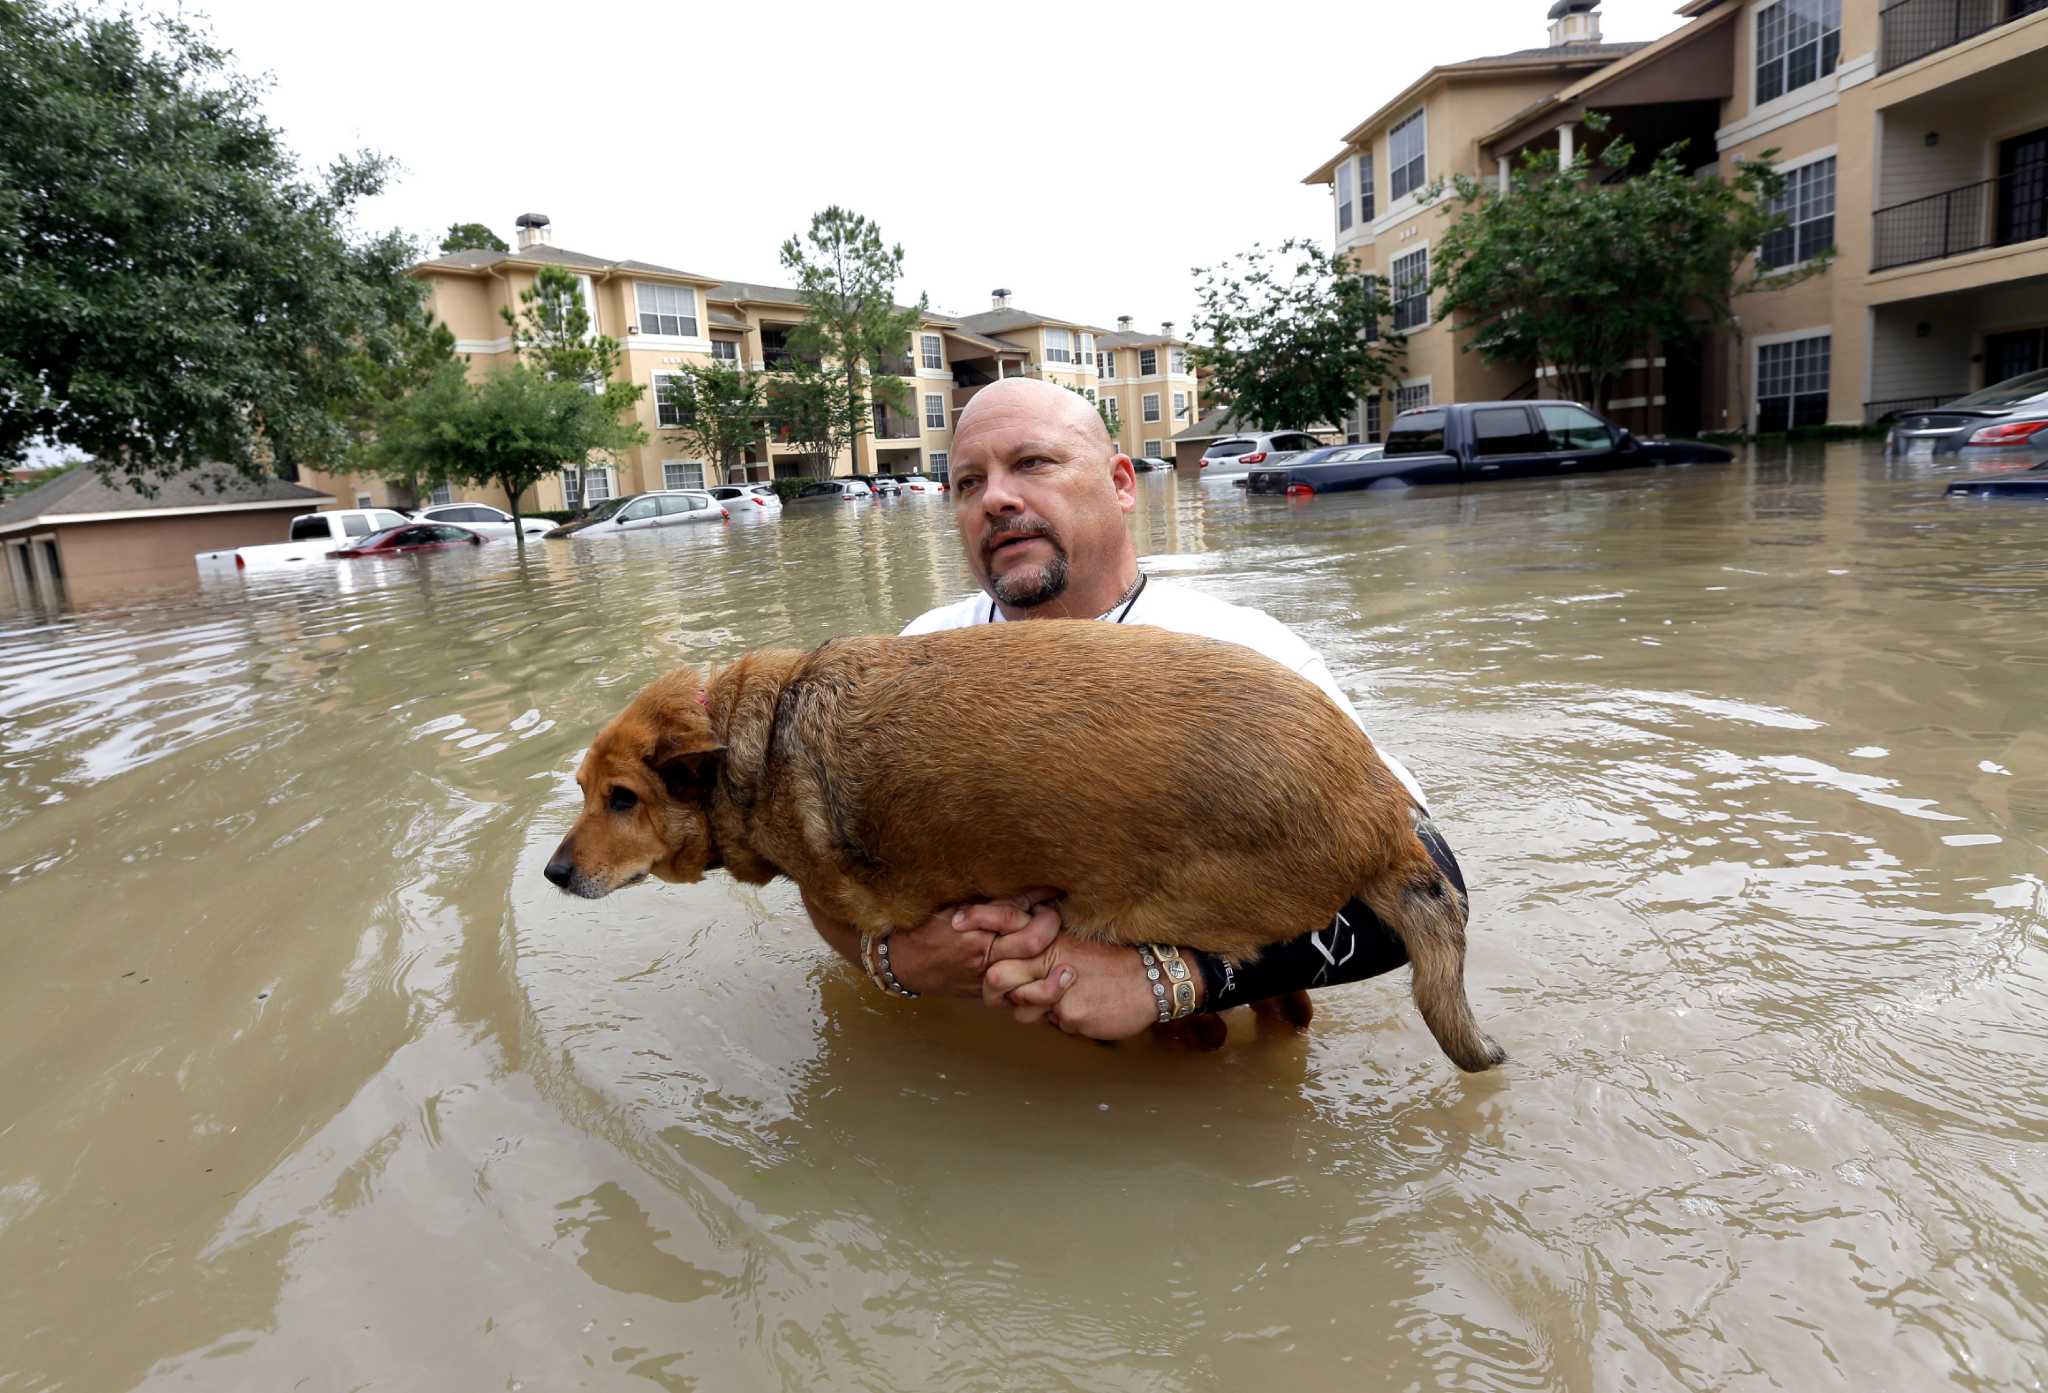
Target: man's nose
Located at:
point(561, 866)
point(998, 497)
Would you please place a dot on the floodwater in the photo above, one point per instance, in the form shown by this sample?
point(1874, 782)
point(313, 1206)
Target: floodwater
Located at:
point(309, 1080)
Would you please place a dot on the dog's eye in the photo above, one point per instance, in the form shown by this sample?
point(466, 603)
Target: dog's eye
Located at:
point(623, 800)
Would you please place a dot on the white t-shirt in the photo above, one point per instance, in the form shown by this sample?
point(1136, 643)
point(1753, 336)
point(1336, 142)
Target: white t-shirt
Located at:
point(1165, 605)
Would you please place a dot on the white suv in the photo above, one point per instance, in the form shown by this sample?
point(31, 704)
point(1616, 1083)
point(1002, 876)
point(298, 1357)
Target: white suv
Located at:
point(1237, 453)
point(481, 517)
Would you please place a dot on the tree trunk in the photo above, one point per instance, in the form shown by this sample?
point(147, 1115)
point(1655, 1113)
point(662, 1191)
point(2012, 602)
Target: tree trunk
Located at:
point(512, 493)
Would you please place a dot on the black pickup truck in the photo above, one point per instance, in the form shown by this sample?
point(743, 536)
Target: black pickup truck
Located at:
point(1475, 442)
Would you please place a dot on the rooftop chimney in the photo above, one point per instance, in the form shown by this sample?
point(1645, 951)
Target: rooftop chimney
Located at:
point(1123, 324)
point(999, 298)
point(1574, 22)
point(533, 230)
point(1166, 328)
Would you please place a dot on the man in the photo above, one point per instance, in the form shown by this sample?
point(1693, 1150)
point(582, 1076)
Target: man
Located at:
point(1039, 495)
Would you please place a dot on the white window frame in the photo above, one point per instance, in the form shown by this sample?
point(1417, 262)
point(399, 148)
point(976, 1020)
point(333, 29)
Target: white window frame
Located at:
point(589, 288)
point(1177, 362)
point(934, 405)
point(939, 461)
point(1402, 395)
point(1397, 169)
point(1086, 357)
point(1347, 204)
point(363, 500)
point(1059, 345)
point(1105, 363)
point(654, 393)
point(1109, 404)
point(688, 322)
point(440, 496)
point(1395, 300)
point(605, 478)
point(1155, 449)
point(1180, 405)
point(1149, 407)
point(1792, 169)
point(1783, 59)
point(1148, 362)
point(685, 466)
point(931, 352)
point(1372, 425)
point(724, 351)
point(1756, 367)
point(1365, 188)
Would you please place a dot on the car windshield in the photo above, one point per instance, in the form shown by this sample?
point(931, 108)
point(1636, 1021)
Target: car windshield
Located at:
point(2010, 392)
point(378, 539)
point(605, 509)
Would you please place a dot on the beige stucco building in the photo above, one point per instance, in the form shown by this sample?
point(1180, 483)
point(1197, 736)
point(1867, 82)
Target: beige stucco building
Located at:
point(1915, 141)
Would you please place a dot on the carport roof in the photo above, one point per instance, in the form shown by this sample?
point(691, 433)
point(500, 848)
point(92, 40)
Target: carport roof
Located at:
point(82, 496)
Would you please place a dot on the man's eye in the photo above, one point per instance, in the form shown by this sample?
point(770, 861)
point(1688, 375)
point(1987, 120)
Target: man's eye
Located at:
point(966, 485)
point(623, 800)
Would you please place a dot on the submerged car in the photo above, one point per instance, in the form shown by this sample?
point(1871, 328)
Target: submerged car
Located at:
point(744, 498)
point(646, 512)
point(481, 517)
point(2004, 424)
point(596, 512)
point(414, 536)
point(832, 491)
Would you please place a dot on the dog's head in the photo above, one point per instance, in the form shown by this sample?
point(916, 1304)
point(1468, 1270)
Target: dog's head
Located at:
point(647, 782)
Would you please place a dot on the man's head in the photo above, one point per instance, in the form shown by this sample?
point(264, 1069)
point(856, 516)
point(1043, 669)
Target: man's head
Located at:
point(1040, 494)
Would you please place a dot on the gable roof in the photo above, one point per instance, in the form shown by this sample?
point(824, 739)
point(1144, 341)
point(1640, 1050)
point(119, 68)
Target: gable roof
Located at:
point(1004, 320)
point(1133, 339)
point(81, 495)
point(547, 254)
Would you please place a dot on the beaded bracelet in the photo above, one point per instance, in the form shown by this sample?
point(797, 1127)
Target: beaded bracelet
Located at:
point(874, 956)
point(1173, 988)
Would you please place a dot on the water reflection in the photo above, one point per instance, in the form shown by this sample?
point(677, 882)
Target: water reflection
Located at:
point(307, 1068)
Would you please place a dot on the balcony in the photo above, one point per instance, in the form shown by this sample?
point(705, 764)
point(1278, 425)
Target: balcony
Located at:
point(890, 425)
point(1912, 29)
point(895, 367)
point(1989, 213)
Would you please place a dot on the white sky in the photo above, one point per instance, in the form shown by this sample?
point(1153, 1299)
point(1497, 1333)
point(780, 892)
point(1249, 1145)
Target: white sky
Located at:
point(1086, 158)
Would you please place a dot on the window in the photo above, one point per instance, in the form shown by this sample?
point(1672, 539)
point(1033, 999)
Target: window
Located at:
point(1087, 353)
point(1105, 363)
point(572, 488)
point(581, 486)
point(678, 503)
point(1109, 405)
point(440, 493)
point(667, 309)
point(1372, 430)
point(381, 518)
point(355, 527)
point(1345, 207)
point(1411, 290)
point(1797, 42)
point(1574, 428)
point(938, 462)
point(1407, 398)
point(671, 400)
point(682, 474)
point(1808, 206)
point(724, 351)
point(589, 288)
point(1506, 431)
point(1365, 187)
point(1148, 362)
point(1180, 405)
point(1155, 449)
point(1792, 383)
point(1151, 406)
point(930, 351)
point(1177, 361)
point(1230, 449)
point(1407, 155)
point(1420, 434)
point(362, 500)
point(934, 412)
point(1059, 346)
point(640, 510)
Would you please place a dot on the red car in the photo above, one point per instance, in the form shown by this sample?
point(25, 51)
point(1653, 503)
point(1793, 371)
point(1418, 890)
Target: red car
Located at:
point(414, 536)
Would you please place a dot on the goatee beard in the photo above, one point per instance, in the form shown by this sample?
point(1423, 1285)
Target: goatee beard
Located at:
point(1042, 584)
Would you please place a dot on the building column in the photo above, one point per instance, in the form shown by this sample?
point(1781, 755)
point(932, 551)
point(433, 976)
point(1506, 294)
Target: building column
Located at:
point(1564, 145)
point(1503, 174)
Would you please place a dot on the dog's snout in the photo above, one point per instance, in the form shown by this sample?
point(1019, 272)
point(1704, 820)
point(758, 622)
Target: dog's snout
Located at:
point(560, 867)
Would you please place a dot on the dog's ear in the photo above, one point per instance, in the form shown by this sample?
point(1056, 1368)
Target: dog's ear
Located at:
point(687, 772)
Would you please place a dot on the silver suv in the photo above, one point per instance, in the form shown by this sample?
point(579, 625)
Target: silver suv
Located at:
point(1255, 449)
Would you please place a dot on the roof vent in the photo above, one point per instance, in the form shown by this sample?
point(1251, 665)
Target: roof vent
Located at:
point(999, 298)
point(533, 230)
point(1574, 22)
point(1123, 324)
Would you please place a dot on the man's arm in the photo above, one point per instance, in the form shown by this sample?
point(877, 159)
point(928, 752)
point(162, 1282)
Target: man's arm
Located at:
point(947, 954)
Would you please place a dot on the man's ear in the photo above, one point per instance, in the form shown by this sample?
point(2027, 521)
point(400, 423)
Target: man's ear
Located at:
point(688, 773)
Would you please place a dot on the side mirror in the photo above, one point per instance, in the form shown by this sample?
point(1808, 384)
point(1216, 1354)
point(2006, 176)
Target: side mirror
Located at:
point(476, 541)
point(1623, 440)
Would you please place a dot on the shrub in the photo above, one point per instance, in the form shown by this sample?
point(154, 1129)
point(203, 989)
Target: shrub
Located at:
point(786, 489)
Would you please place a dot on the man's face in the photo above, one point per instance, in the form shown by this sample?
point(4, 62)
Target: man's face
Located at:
point(1039, 498)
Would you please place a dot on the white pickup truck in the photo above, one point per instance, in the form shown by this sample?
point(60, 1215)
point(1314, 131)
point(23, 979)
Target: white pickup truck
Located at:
point(312, 536)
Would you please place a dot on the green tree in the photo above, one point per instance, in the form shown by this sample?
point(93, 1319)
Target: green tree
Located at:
point(174, 294)
point(555, 405)
point(847, 277)
point(472, 237)
point(1578, 275)
point(1101, 409)
point(722, 412)
point(1296, 335)
point(807, 408)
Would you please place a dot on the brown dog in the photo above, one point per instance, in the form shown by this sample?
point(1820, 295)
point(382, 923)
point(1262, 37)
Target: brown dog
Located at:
point(1175, 789)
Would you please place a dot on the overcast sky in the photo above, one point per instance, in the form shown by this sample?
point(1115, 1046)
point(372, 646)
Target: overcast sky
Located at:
point(1086, 158)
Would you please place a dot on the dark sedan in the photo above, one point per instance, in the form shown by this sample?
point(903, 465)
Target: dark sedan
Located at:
point(2005, 424)
point(416, 536)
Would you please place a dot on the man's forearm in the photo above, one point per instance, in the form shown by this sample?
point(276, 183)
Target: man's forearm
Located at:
point(1354, 946)
point(842, 936)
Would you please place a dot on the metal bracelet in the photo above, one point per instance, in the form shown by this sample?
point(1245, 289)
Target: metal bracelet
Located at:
point(888, 974)
point(1171, 980)
point(1153, 976)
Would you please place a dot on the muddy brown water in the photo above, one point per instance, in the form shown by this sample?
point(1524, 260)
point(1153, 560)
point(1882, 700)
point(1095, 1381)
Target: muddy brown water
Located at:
point(309, 1080)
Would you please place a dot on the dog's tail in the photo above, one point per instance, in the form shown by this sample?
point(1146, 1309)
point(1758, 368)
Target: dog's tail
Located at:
point(1415, 897)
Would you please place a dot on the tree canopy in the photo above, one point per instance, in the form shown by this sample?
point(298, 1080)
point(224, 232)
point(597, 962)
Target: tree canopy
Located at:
point(721, 411)
point(472, 237)
point(1295, 335)
point(174, 294)
point(847, 276)
point(1572, 273)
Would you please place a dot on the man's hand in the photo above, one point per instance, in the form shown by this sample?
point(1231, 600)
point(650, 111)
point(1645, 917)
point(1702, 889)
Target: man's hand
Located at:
point(1099, 990)
point(947, 954)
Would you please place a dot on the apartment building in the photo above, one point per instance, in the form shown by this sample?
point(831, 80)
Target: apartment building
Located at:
point(1915, 141)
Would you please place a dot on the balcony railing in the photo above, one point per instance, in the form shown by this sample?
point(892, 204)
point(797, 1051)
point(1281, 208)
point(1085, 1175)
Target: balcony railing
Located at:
point(890, 426)
point(1915, 28)
point(1989, 213)
point(895, 367)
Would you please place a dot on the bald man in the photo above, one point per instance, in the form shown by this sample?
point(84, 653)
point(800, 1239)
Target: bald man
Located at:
point(1039, 494)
